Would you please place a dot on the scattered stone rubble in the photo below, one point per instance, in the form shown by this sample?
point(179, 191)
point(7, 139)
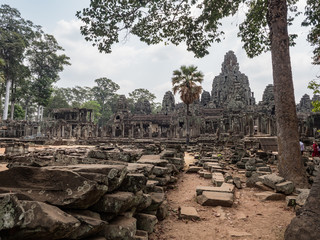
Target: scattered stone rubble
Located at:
point(66, 194)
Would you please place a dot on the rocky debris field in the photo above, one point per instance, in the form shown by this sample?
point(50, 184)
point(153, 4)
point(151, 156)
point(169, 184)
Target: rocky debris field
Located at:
point(113, 192)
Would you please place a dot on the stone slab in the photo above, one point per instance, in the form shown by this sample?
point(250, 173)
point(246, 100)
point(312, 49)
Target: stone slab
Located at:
point(272, 196)
point(189, 213)
point(215, 199)
point(225, 187)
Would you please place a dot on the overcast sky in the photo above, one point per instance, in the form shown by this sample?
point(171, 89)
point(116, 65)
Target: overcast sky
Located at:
point(135, 65)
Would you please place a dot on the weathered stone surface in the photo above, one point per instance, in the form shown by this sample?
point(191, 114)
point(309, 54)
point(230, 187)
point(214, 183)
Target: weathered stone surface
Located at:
point(225, 187)
point(193, 169)
point(263, 187)
point(286, 187)
point(157, 199)
point(43, 221)
point(112, 175)
point(133, 182)
point(163, 211)
point(302, 197)
point(160, 171)
point(272, 196)
point(217, 179)
point(178, 162)
point(146, 222)
point(145, 169)
point(145, 201)
point(162, 181)
point(141, 235)
point(115, 203)
point(121, 228)
point(237, 182)
point(91, 224)
point(63, 188)
point(189, 213)
point(272, 179)
point(215, 199)
point(11, 211)
point(149, 159)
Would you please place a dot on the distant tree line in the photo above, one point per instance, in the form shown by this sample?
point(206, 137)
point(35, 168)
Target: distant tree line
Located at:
point(30, 63)
point(102, 98)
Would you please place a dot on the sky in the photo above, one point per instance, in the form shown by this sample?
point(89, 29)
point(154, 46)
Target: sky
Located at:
point(133, 64)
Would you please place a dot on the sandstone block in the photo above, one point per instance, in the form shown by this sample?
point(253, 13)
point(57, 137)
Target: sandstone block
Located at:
point(217, 179)
point(286, 187)
point(189, 213)
point(225, 187)
point(121, 228)
point(133, 182)
point(272, 179)
point(272, 196)
point(215, 199)
point(146, 222)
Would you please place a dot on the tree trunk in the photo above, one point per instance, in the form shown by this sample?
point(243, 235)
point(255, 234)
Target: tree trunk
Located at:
point(290, 162)
point(38, 114)
point(12, 109)
point(306, 225)
point(6, 100)
point(188, 129)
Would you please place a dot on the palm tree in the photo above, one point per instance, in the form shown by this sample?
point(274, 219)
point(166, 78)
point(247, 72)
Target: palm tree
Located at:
point(185, 82)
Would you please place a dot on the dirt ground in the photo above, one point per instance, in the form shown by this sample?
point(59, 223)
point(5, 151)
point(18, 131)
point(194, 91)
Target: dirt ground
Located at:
point(249, 218)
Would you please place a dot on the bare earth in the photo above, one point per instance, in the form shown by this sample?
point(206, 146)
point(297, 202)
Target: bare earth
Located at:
point(249, 217)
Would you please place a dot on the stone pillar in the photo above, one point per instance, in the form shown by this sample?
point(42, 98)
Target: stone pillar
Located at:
point(62, 131)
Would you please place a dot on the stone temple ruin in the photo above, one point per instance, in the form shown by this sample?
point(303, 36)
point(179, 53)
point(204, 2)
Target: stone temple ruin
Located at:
point(113, 186)
point(230, 110)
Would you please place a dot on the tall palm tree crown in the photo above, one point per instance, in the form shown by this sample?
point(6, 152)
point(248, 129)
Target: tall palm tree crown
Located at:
point(185, 82)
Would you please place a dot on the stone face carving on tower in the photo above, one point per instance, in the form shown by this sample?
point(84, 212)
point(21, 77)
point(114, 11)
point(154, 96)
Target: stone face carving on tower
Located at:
point(122, 104)
point(143, 107)
point(305, 105)
point(205, 98)
point(267, 103)
point(168, 102)
point(231, 89)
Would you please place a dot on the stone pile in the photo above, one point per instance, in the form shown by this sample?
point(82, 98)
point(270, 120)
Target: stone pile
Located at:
point(86, 201)
point(221, 193)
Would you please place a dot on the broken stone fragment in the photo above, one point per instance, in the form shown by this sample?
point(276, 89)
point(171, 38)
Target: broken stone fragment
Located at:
point(215, 199)
point(286, 187)
point(91, 224)
point(146, 222)
point(163, 211)
point(225, 187)
point(62, 188)
point(115, 203)
point(217, 179)
point(141, 235)
point(121, 228)
point(161, 171)
point(134, 182)
point(43, 221)
point(272, 196)
point(11, 211)
point(145, 169)
point(189, 213)
point(157, 199)
point(272, 179)
point(193, 169)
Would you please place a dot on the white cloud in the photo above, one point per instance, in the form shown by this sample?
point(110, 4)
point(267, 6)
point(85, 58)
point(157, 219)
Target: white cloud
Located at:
point(135, 65)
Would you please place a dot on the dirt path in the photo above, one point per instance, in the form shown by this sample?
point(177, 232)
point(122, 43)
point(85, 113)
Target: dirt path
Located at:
point(248, 216)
